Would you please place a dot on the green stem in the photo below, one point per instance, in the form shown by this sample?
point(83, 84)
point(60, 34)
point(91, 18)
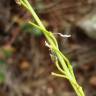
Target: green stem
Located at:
point(30, 8)
point(63, 65)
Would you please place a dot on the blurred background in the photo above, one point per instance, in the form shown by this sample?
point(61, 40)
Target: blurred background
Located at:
point(25, 64)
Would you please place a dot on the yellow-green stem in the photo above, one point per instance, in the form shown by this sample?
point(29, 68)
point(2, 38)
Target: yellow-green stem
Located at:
point(64, 62)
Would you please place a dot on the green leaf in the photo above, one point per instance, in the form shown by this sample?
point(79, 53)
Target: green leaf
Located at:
point(29, 28)
point(7, 53)
point(2, 77)
point(2, 62)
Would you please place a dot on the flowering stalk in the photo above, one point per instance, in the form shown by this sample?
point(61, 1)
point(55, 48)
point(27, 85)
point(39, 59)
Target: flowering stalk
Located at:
point(61, 62)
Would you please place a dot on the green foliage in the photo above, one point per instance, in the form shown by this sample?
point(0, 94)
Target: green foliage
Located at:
point(2, 62)
point(26, 27)
point(2, 77)
point(2, 67)
point(5, 53)
point(61, 62)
